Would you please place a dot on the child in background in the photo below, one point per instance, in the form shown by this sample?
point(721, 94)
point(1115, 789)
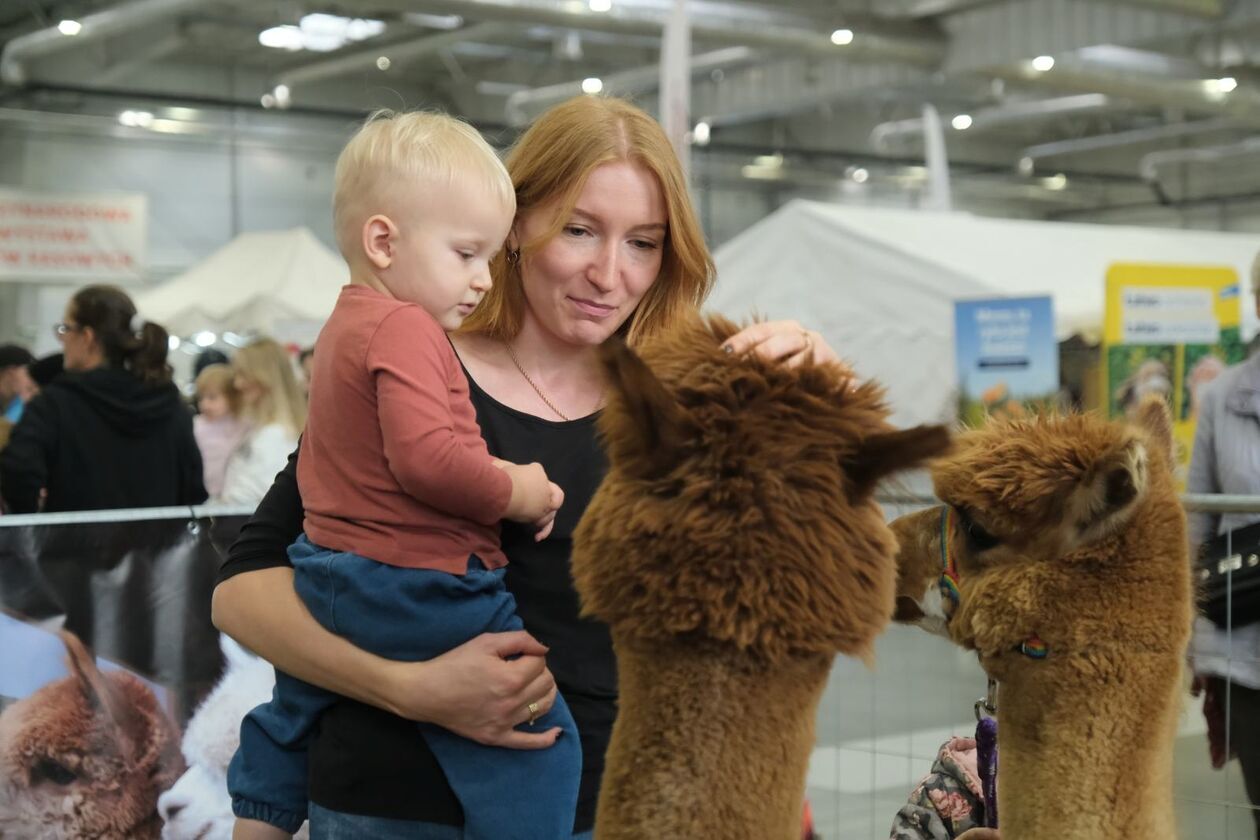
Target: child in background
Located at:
point(217, 426)
point(401, 553)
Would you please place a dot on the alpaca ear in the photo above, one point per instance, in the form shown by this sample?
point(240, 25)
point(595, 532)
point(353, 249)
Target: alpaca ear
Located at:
point(95, 688)
point(644, 429)
point(881, 455)
point(1154, 417)
point(1111, 486)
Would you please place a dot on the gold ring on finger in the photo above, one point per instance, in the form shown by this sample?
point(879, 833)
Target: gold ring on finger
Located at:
point(532, 708)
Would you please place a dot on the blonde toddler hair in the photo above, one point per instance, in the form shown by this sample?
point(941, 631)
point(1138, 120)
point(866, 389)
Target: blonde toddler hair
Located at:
point(219, 378)
point(395, 154)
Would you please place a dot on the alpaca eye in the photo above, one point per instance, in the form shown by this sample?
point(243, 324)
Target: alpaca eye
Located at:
point(978, 539)
point(48, 770)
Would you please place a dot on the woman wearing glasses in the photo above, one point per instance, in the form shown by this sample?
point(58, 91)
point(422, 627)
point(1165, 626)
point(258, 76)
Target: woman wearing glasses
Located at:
point(110, 432)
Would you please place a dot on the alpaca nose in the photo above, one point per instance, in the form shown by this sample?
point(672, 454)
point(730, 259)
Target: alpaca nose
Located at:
point(169, 806)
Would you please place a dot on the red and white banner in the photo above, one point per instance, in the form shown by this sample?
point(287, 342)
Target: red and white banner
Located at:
point(72, 236)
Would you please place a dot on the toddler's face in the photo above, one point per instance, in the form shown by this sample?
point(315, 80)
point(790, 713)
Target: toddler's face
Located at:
point(212, 404)
point(445, 243)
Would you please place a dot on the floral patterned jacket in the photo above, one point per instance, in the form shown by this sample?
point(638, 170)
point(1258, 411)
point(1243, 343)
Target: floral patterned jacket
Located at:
point(948, 801)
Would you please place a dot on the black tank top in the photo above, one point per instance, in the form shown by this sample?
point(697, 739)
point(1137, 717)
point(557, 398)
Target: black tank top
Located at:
point(367, 761)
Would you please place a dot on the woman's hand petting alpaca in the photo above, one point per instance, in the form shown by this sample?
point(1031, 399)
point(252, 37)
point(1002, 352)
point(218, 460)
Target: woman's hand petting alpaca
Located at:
point(476, 691)
point(785, 341)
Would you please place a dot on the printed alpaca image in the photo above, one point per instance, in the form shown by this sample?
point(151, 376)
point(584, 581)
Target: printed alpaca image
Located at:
point(1074, 586)
point(86, 757)
point(198, 806)
point(734, 548)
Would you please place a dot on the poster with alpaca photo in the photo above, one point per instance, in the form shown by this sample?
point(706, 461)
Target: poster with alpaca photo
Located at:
point(120, 705)
point(86, 746)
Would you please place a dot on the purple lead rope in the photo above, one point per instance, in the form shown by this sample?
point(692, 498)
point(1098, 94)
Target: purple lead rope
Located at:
point(987, 764)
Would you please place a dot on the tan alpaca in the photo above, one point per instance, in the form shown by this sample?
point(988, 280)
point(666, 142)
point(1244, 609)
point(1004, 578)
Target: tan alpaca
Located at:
point(733, 548)
point(86, 757)
point(1068, 530)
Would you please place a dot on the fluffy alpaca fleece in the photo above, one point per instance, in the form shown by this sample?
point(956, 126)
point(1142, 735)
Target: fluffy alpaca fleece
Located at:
point(1069, 529)
point(734, 548)
point(85, 757)
point(198, 807)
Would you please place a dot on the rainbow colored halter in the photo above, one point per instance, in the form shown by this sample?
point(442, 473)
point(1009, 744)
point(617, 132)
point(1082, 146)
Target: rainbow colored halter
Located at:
point(949, 566)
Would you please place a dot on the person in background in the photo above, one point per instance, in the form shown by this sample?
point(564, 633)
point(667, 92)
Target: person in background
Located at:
point(47, 368)
point(1226, 663)
point(218, 427)
point(306, 360)
point(16, 385)
point(111, 431)
point(206, 358)
point(275, 409)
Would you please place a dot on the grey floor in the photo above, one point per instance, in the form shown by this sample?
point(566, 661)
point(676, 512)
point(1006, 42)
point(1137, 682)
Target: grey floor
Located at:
point(879, 730)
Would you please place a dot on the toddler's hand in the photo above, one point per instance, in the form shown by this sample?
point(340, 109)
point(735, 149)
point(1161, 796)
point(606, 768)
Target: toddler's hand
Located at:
point(554, 501)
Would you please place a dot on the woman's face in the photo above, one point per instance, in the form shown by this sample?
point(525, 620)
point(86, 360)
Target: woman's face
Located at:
point(79, 344)
point(584, 283)
point(248, 387)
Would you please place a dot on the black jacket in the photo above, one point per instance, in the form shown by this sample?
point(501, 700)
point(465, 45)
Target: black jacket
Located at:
point(102, 439)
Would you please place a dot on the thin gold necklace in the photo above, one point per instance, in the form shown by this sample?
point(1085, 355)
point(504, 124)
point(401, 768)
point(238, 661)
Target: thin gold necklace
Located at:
point(534, 385)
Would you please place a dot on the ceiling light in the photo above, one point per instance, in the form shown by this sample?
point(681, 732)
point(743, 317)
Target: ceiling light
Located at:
point(1055, 182)
point(774, 161)
point(268, 100)
point(762, 173)
point(1043, 63)
point(204, 338)
point(281, 93)
point(962, 122)
point(701, 133)
point(172, 343)
point(320, 33)
point(860, 175)
point(69, 27)
point(136, 119)
point(842, 37)
point(1226, 84)
point(281, 38)
point(593, 85)
point(383, 63)
point(1027, 166)
point(599, 5)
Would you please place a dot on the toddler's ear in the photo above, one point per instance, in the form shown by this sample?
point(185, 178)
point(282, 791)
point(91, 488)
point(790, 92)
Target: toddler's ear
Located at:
point(379, 236)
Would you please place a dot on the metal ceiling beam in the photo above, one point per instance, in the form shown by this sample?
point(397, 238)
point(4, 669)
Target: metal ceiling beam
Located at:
point(1150, 164)
point(398, 53)
point(788, 86)
point(523, 106)
point(1195, 95)
point(1016, 31)
point(713, 23)
point(115, 20)
point(1120, 139)
point(1017, 112)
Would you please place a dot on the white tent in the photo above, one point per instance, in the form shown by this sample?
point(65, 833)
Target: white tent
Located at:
point(261, 282)
point(881, 284)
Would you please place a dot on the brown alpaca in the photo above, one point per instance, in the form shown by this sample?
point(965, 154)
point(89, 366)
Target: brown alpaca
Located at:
point(734, 547)
point(86, 757)
point(1068, 530)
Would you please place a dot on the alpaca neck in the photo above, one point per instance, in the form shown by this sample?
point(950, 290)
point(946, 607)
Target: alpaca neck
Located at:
point(1089, 764)
point(708, 744)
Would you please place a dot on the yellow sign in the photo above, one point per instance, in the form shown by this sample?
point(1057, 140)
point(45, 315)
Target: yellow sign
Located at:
point(1169, 330)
